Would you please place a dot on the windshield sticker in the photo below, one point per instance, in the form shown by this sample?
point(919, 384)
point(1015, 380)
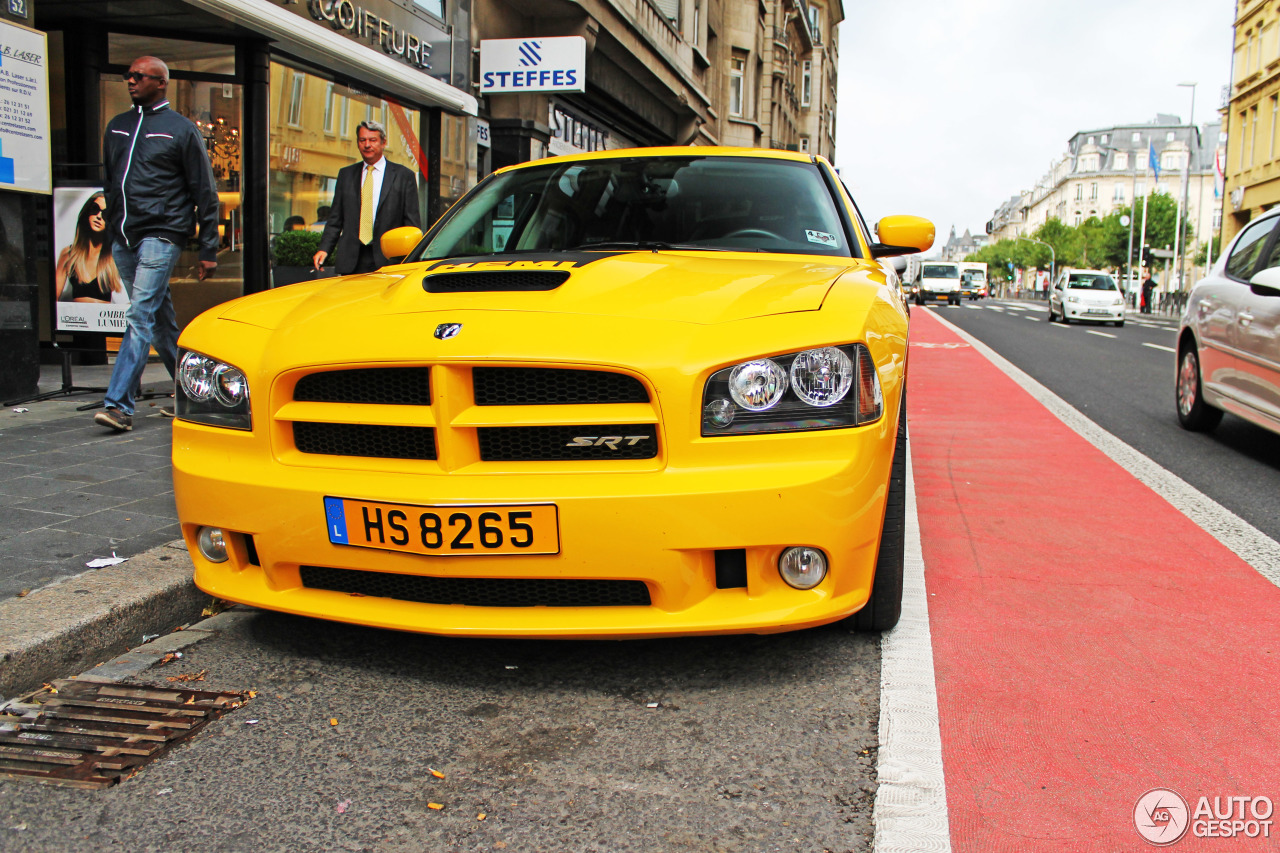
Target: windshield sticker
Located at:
point(821, 237)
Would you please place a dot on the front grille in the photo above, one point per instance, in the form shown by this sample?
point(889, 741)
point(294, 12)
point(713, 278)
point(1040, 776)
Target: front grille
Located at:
point(494, 280)
point(385, 442)
point(480, 592)
point(556, 443)
point(399, 386)
point(552, 386)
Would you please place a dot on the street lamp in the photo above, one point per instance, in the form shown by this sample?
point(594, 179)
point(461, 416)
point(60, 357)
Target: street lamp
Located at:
point(1180, 239)
point(1053, 258)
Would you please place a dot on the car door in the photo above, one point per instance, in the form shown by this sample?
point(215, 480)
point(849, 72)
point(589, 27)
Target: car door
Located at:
point(1258, 344)
point(1214, 311)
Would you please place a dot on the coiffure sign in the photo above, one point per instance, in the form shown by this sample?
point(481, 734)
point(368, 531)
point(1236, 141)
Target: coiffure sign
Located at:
point(533, 65)
point(383, 26)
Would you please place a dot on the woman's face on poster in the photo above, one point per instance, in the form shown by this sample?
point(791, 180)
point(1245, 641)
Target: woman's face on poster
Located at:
point(97, 215)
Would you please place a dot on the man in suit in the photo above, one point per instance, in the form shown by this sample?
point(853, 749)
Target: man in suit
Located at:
point(370, 199)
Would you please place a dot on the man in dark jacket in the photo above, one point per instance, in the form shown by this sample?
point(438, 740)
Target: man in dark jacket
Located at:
point(159, 187)
point(369, 200)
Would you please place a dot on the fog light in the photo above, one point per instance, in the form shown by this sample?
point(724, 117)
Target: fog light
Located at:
point(212, 544)
point(803, 568)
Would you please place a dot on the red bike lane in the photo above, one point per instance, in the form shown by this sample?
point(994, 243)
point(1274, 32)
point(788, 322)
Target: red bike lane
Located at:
point(1090, 641)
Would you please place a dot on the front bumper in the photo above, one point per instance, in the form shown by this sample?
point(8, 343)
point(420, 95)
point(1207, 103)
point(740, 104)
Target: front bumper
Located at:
point(1100, 313)
point(661, 527)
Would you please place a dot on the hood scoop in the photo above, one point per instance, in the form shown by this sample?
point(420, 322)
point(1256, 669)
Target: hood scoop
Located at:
point(482, 281)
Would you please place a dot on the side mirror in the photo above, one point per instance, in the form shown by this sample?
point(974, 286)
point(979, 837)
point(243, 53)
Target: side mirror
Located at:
point(1266, 282)
point(397, 243)
point(902, 235)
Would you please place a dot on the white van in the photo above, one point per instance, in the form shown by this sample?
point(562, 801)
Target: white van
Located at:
point(976, 273)
point(939, 281)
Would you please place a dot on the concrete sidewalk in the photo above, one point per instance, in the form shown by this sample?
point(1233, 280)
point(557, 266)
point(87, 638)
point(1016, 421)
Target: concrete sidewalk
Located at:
point(71, 492)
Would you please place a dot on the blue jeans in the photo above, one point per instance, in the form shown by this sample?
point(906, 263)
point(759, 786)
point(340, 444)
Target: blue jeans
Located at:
point(149, 320)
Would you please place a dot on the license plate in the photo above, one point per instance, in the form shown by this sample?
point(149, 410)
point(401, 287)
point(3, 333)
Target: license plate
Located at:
point(1097, 311)
point(444, 530)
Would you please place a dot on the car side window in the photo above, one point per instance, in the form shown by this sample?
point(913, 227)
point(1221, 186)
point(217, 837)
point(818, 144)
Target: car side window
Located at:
point(1245, 253)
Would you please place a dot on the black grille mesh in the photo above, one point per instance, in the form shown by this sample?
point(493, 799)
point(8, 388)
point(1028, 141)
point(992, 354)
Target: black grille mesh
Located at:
point(403, 386)
point(384, 442)
point(480, 592)
point(489, 280)
point(552, 443)
point(551, 386)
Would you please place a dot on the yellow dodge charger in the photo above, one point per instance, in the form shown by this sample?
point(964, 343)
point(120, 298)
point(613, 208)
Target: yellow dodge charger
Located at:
point(624, 394)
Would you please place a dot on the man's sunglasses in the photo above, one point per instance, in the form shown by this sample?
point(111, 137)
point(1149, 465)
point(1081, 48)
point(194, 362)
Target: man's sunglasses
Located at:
point(134, 76)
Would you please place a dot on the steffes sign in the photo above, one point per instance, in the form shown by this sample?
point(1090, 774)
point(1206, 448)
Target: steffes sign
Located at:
point(390, 28)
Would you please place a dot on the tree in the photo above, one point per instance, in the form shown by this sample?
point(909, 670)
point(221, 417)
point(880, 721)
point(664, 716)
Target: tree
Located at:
point(1201, 256)
point(1162, 217)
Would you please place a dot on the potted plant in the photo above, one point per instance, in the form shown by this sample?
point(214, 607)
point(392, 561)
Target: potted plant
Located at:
point(292, 252)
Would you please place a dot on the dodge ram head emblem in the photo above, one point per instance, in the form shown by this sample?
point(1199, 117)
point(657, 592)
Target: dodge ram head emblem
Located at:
point(448, 330)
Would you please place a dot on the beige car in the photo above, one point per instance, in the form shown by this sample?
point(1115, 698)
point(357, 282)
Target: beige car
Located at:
point(1229, 336)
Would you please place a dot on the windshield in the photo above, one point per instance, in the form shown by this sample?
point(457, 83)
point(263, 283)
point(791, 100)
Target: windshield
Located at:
point(940, 271)
point(1078, 281)
point(711, 203)
point(976, 275)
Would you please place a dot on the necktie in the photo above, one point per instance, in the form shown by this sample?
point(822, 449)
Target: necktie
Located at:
point(366, 207)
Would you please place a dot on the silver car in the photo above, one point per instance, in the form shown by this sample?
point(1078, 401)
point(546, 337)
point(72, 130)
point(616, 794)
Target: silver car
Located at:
point(1229, 336)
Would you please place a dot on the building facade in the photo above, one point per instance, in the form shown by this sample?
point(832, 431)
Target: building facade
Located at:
point(667, 72)
point(1252, 109)
point(1104, 170)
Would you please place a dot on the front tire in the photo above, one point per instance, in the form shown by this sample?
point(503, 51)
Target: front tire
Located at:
point(884, 608)
point(1194, 413)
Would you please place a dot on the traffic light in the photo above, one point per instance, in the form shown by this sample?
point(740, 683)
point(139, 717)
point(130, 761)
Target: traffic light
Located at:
point(1146, 256)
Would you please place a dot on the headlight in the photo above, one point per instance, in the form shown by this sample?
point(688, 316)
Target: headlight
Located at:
point(212, 392)
point(823, 388)
point(1073, 298)
point(1119, 300)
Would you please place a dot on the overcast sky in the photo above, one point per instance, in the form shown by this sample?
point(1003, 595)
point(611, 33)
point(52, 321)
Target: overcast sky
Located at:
point(949, 107)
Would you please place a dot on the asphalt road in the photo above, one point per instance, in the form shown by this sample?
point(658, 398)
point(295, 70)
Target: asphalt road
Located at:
point(753, 744)
point(1123, 379)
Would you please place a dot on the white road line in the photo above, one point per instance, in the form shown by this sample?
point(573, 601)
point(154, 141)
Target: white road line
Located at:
point(1242, 538)
point(1102, 334)
point(911, 797)
point(1032, 319)
point(974, 307)
point(1157, 346)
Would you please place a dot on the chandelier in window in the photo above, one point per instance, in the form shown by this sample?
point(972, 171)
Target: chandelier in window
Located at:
point(223, 144)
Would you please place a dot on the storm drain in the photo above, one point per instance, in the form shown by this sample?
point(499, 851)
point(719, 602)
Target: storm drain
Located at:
point(87, 734)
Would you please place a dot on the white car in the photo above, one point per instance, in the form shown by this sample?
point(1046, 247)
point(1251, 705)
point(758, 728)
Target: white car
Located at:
point(1228, 348)
point(1086, 295)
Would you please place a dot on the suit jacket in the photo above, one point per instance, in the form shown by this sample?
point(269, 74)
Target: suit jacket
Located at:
point(397, 206)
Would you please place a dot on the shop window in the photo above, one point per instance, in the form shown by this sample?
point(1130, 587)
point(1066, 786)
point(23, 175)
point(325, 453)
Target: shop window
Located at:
point(213, 103)
point(304, 164)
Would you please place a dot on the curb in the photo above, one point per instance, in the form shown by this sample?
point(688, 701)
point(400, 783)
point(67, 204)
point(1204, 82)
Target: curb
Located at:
point(65, 629)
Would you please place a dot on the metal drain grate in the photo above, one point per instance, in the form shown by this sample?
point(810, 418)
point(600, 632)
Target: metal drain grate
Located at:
point(90, 734)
